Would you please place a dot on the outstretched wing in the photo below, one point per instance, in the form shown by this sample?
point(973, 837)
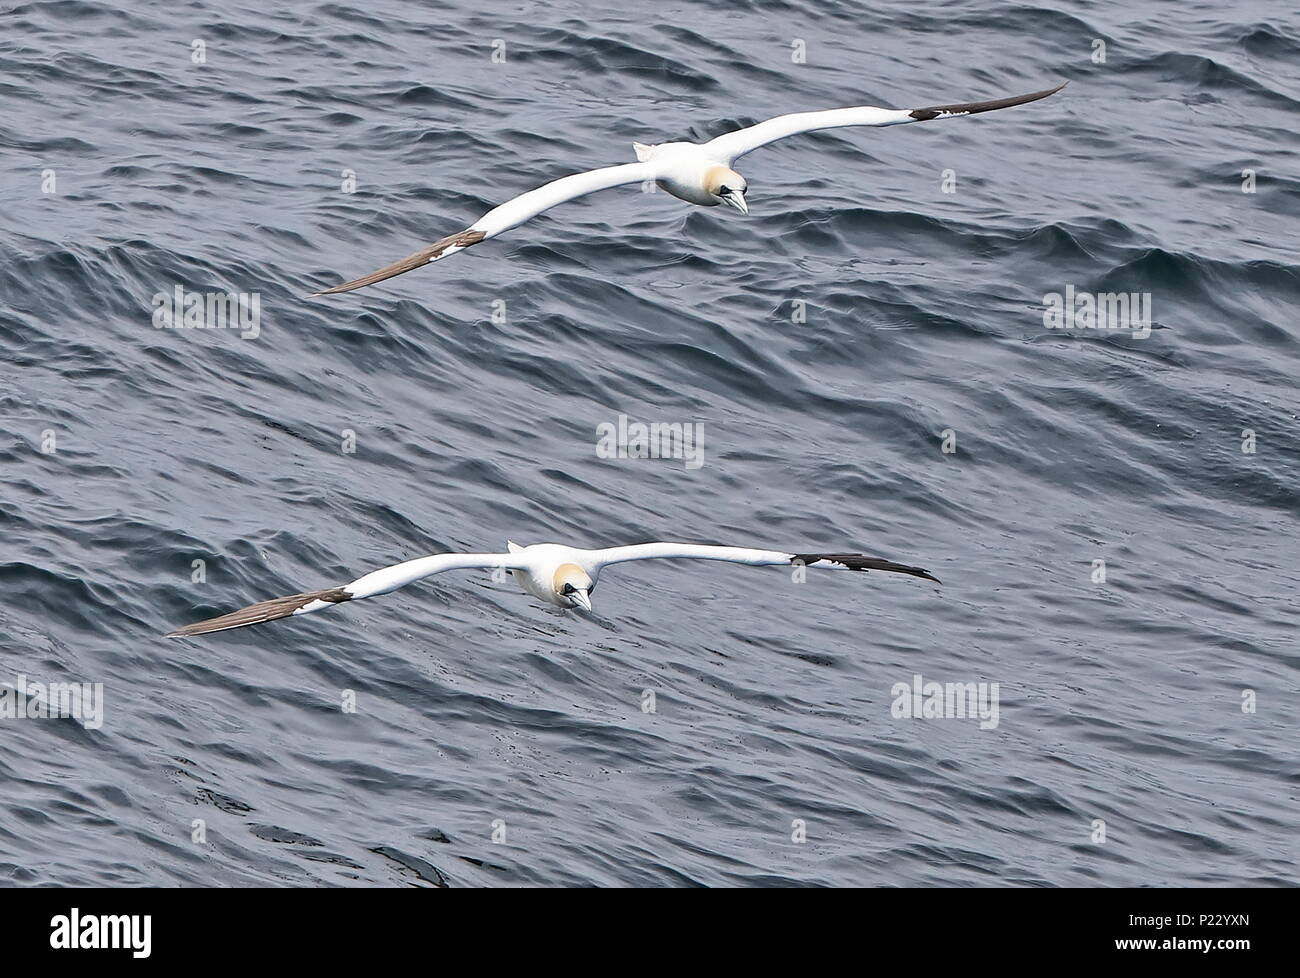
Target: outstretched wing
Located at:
point(728, 147)
point(743, 555)
point(510, 214)
point(375, 583)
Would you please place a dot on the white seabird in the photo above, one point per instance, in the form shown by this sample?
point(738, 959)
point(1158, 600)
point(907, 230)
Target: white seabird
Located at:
point(563, 576)
point(699, 173)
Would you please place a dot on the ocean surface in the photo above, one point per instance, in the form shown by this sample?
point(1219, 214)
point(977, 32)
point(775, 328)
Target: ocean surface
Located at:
point(1112, 512)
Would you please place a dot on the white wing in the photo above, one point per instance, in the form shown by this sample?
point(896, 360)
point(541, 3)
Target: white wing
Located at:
point(743, 555)
point(527, 206)
point(648, 551)
point(508, 215)
point(375, 583)
point(727, 148)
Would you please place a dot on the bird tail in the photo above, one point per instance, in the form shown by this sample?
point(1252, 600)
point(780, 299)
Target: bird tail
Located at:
point(293, 604)
point(642, 151)
point(857, 562)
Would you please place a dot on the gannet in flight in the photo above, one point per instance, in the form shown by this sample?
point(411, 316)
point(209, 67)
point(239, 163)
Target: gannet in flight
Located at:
point(699, 173)
point(563, 576)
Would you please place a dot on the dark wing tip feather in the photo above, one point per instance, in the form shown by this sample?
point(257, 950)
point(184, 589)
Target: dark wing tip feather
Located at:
point(970, 108)
point(858, 562)
point(262, 611)
point(461, 239)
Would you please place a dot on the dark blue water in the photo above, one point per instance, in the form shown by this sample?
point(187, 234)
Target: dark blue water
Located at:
point(1120, 701)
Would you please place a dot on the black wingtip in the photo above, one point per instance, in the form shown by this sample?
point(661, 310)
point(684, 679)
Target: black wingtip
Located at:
point(460, 241)
point(971, 108)
point(263, 611)
point(858, 562)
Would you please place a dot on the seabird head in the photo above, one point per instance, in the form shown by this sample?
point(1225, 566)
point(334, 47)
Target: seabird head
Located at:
point(574, 586)
point(727, 186)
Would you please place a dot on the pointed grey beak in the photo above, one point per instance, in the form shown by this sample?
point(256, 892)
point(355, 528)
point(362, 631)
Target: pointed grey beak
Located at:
point(582, 599)
point(737, 200)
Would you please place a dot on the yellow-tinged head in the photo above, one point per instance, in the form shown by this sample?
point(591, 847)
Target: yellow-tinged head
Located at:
point(573, 585)
point(727, 186)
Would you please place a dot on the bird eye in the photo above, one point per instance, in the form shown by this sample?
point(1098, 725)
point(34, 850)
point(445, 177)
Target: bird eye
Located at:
point(568, 589)
point(723, 191)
